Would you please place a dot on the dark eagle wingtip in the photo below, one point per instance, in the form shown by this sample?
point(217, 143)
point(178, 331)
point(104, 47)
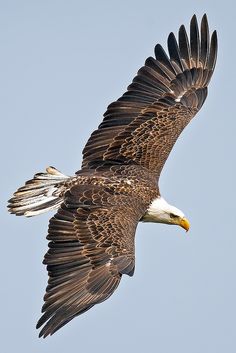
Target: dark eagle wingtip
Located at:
point(193, 20)
point(45, 331)
point(213, 51)
point(204, 18)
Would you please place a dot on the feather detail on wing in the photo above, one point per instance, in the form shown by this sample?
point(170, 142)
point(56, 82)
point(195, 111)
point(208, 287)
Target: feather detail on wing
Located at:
point(91, 246)
point(142, 126)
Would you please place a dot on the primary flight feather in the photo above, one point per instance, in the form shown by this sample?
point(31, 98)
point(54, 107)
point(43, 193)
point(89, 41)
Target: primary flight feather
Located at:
point(91, 237)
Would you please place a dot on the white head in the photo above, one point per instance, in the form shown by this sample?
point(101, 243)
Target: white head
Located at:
point(161, 212)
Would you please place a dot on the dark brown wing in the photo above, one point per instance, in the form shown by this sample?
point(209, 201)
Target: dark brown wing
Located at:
point(91, 246)
point(142, 126)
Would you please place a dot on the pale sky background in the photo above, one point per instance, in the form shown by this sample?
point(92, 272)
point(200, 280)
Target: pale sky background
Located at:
point(62, 63)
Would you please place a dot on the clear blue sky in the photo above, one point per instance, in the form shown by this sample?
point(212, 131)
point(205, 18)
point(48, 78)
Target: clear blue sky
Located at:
point(62, 63)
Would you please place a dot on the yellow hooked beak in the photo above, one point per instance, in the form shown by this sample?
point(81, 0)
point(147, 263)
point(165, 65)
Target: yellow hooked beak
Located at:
point(184, 223)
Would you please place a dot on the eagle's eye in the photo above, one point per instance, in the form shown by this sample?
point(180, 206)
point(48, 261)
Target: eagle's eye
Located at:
point(172, 215)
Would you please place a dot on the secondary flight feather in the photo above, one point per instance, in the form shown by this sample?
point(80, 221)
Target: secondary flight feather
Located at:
point(91, 236)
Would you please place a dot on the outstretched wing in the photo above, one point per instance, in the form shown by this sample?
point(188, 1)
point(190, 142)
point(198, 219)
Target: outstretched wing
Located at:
point(91, 246)
point(142, 126)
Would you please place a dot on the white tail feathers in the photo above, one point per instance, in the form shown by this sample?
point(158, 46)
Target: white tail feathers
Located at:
point(42, 193)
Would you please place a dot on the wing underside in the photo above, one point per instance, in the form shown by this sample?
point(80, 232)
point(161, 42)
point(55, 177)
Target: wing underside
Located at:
point(91, 244)
point(142, 126)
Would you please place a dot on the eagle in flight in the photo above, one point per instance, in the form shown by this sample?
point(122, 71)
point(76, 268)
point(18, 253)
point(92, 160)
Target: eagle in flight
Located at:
point(92, 235)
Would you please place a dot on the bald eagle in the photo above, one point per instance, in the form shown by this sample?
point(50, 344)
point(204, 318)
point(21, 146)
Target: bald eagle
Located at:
point(91, 236)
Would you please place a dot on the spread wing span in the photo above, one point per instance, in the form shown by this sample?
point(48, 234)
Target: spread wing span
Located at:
point(91, 246)
point(141, 127)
